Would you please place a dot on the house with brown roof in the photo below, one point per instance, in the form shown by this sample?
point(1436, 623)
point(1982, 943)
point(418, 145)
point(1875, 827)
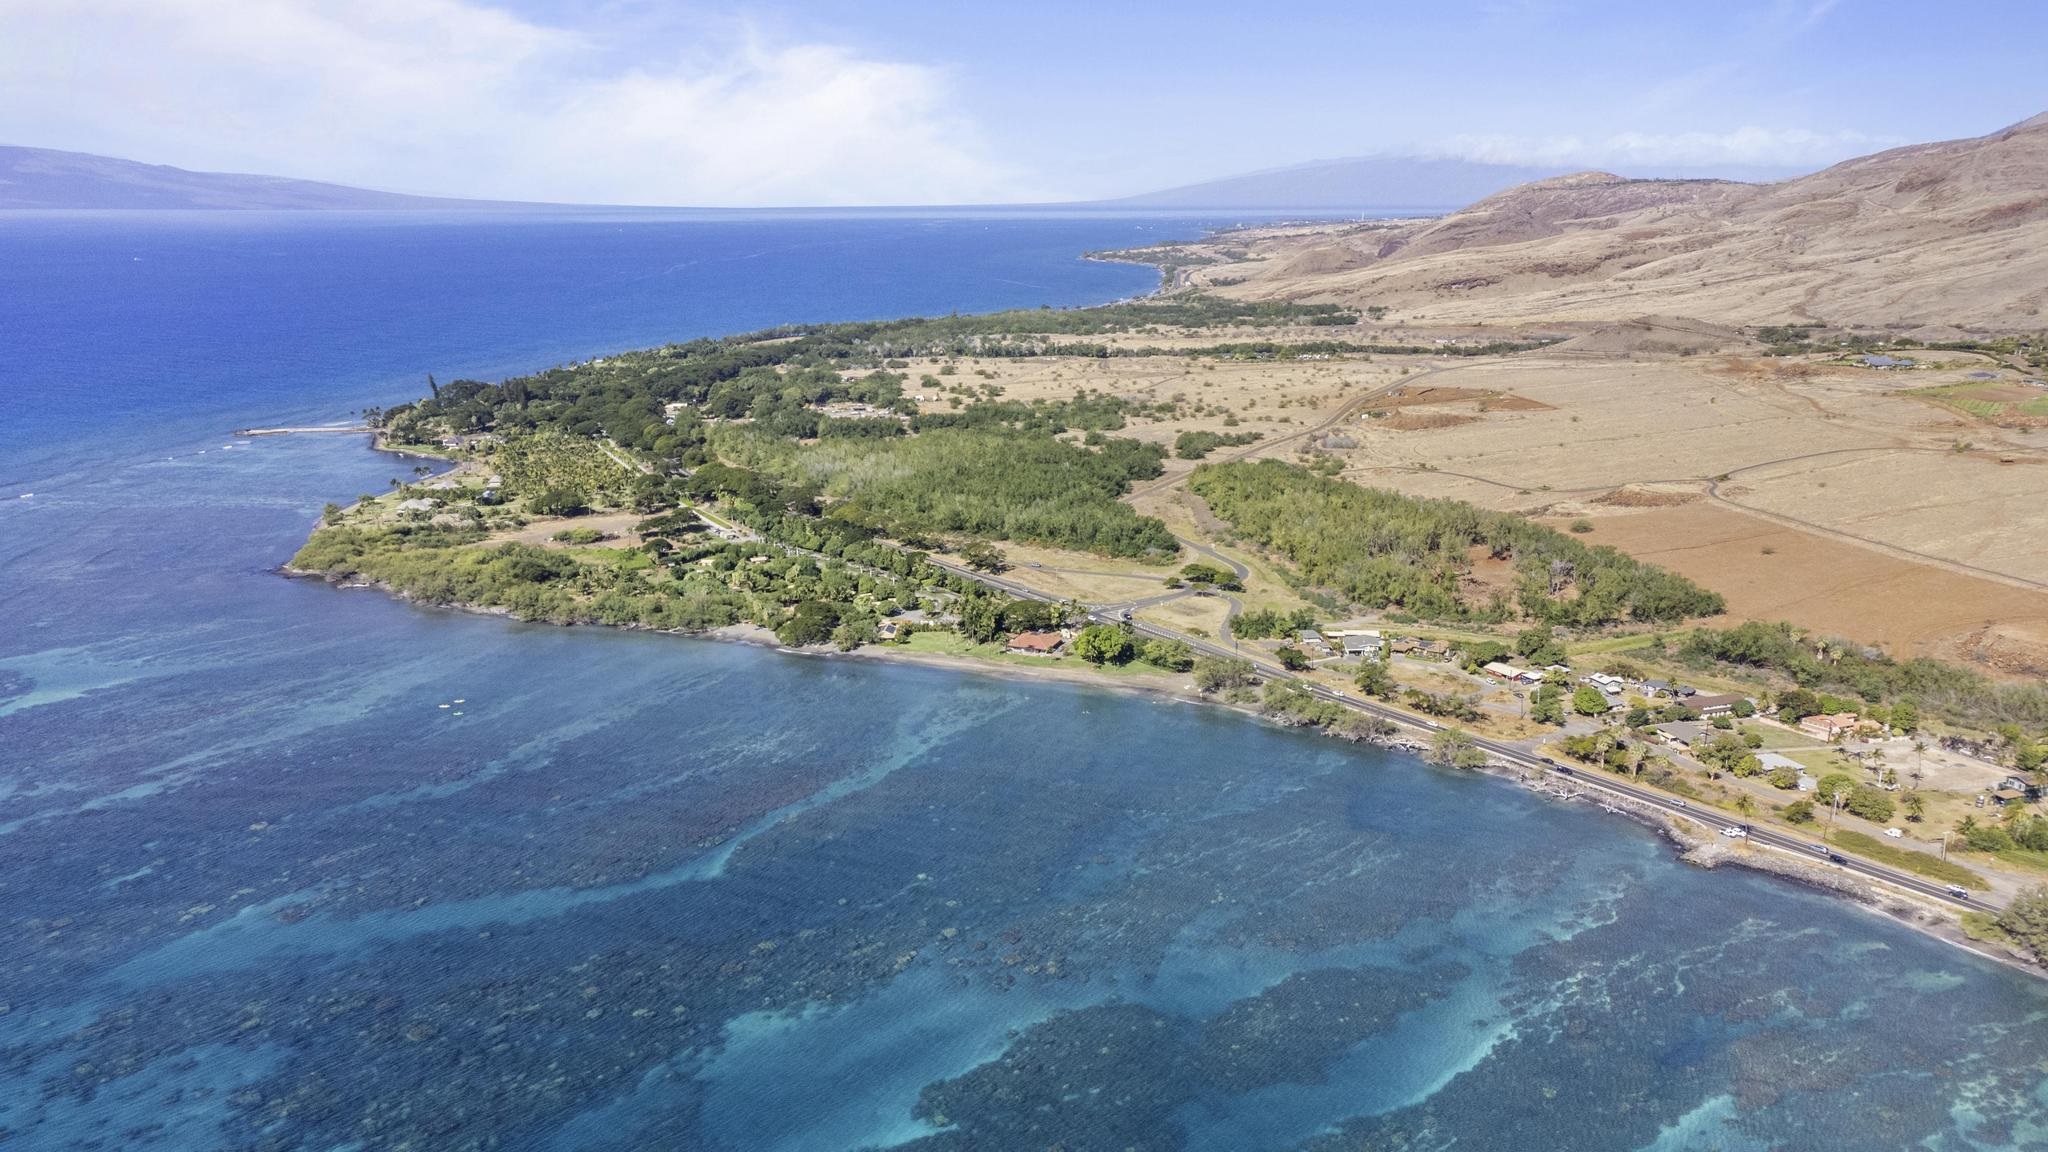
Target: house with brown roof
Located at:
point(1035, 643)
point(1829, 727)
point(1715, 707)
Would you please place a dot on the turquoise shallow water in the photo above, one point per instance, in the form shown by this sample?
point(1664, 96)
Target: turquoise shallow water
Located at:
point(259, 891)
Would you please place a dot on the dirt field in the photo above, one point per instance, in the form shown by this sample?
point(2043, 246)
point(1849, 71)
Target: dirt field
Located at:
point(1827, 585)
point(1890, 518)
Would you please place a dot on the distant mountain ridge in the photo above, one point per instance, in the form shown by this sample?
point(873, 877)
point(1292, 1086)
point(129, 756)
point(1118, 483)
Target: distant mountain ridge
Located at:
point(48, 178)
point(1426, 183)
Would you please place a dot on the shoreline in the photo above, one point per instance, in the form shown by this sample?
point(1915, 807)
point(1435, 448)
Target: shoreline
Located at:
point(1700, 848)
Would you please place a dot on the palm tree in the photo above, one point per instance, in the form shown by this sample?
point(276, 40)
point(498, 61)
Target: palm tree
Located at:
point(1745, 805)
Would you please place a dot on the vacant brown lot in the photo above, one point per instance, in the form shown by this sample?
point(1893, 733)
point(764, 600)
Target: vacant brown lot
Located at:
point(1831, 586)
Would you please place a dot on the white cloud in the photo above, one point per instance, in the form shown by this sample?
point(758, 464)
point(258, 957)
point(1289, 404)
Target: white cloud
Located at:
point(1788, 147)
point(452, 97)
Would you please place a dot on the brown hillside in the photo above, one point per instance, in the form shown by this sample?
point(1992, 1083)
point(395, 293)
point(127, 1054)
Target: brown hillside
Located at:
point(1946, 234)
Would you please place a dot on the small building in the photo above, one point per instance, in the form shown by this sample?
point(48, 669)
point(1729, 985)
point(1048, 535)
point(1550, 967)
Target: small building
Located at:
point(1309, 637)
point(1683, 734)
point(1512, 674)
point(1772, 761)
point(2005, 796)
point(1657, 687)
point(1829, 727)
point(1715, 707)
point(1363, 645)
point(1035, 643)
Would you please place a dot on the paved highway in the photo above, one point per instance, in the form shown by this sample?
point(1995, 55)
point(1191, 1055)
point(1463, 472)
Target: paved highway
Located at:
point(1809, 850)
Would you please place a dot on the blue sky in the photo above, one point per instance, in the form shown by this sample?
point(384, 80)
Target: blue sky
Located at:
point(890, 101)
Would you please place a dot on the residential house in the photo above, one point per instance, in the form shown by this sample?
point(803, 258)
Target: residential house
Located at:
point(1612, 685)
point(1363, 646)
point(1657, 687)
point(2005, 796)
point(1684, 734)
point(1035, 643)
point(1512, 674)
point(1715, 707)
point(1829, 727)
point(1313, 642)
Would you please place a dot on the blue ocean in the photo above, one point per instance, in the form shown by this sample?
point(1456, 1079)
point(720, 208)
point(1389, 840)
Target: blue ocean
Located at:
point(285, 866)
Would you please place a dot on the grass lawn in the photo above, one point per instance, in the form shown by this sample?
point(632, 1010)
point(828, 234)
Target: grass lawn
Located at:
point(1610, 644)
point(1906, 859)
point(2021, 857)
point(1777, 739)
point(1822, 761)
point(954, 644)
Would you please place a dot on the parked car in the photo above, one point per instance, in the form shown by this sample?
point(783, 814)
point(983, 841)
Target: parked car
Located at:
point(1894, 833)
point(1733, 831)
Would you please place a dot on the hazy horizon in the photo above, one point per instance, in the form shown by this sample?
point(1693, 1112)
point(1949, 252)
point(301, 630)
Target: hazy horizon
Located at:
point(802, 103)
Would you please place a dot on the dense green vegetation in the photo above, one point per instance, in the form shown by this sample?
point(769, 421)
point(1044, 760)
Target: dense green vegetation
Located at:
point(1196, 445)
point(2025, 921)
point(1003, 486)
point(1816, 662)
point(1381, 549)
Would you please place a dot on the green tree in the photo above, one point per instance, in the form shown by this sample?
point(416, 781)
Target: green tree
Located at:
point(1796, 704)
point(1871, 803)
point(1915, 806)
point(1546, 705)
point(2025, 919)
point(1221, 673)
point(981, 618)
point(1588, 700)
point(985, 557)
point(812, 623)
point(1833, 783)
point(559, 502)
point(1799, 812)
point(1104, 644)
point(1454, 748)
point(1291, 658)
point(1172, 655)
point(853, 632)
point(1375, 680)
point(1906, 715)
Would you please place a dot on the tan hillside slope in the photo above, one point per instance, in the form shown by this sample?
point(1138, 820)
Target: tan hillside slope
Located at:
point(1953, 233)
